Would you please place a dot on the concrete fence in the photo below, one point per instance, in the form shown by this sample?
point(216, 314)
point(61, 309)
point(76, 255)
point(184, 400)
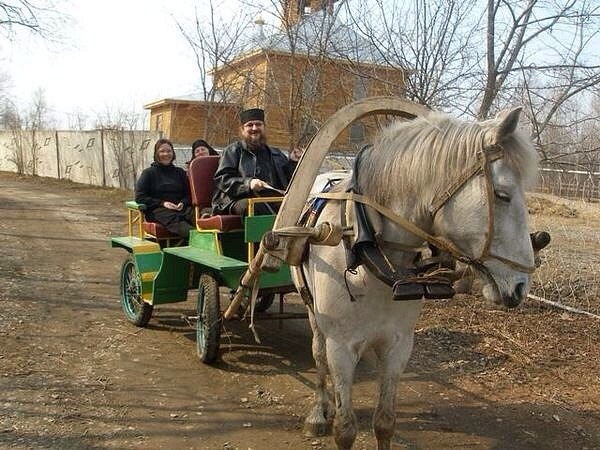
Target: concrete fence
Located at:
point(116, 158)
point(100, 157)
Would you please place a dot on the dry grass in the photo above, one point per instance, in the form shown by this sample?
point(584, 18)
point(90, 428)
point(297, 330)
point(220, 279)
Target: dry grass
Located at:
point(571, 263)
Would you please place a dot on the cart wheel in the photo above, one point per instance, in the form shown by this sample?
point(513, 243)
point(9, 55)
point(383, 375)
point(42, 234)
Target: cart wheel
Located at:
point(263, 303)
point(208, 327)
point(135, 308)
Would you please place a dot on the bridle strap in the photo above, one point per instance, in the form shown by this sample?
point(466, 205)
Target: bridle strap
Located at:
point(489, 154)
point(440, 243)
point(513, 264)
point(486, 166)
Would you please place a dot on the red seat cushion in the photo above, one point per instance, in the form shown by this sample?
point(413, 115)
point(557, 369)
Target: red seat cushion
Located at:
point(221, 223)
point(201, 174)
point(157, 230)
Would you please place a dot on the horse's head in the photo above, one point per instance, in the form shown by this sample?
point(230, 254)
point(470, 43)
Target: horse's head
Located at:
point(464, 183)
point(486, 217)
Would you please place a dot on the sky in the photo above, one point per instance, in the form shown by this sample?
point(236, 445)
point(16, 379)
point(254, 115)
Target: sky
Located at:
point(115, 55)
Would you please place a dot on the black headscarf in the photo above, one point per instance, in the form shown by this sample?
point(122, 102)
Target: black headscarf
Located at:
point(202, 143)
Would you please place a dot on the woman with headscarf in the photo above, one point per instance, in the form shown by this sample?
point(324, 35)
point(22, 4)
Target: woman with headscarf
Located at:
point(164, 189)
point(201, 148)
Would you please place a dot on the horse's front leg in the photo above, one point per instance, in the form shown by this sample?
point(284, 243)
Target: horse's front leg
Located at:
point(318, 421)
point(342, 364)
point(391, 364)
point(384, 418)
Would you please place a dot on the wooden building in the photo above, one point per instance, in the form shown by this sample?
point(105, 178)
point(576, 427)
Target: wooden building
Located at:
point(300, 76)
point(184, 120)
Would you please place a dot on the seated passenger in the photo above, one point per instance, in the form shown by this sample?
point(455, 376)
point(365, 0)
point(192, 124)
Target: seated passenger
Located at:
point(250, 168)
point(201, 148)
point(164, 189)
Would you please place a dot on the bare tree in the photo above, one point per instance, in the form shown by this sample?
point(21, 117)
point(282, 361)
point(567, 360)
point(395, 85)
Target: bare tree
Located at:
point(477, 58)
point(38, 118)
point(466, 56)
point(12, 121)
point(317, 64)
point(119, 139)
point(24, 127)
point(555, 40)
point(40, 17)
point(432, 40)
point(78, 120)
point(298, 57)
point(4, 84)
point(215, 42)
point(309, 46)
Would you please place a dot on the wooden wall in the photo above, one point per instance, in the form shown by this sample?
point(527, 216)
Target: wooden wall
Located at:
point(184, 122)
point(298, 94)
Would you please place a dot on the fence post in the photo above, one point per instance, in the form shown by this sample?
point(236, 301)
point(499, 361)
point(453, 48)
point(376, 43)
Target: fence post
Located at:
point(103, 160)
point(57, 154)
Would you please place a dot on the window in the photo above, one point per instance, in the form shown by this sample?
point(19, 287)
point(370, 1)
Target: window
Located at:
point(158, 125)
point(248, 88)
point(360, 88)
point(310, 86)
point(308, 128)
point(357, 133)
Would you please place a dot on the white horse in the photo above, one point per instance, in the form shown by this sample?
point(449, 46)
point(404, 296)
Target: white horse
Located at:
point(458, 181)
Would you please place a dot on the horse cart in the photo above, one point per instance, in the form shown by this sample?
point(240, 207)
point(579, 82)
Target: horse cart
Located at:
point(457, 186)
point(226, 251)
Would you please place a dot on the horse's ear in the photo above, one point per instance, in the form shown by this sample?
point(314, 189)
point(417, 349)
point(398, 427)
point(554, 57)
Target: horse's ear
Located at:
point(508, 121)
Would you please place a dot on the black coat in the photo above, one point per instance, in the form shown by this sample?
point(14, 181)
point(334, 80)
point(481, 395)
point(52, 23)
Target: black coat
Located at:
point(159, 183)
point(237, 167)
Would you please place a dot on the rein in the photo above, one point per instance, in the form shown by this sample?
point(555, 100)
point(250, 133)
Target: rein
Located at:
point(483, 166)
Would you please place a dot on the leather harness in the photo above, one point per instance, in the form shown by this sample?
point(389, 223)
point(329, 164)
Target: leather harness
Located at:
point(372, 255)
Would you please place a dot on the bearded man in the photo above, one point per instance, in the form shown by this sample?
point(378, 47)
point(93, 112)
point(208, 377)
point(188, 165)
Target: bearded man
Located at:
point(250, 168)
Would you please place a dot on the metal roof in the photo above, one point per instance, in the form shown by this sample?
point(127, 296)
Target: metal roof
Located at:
point(319, 33)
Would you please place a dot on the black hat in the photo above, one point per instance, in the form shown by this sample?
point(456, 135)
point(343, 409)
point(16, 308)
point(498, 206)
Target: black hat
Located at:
point(252, 114)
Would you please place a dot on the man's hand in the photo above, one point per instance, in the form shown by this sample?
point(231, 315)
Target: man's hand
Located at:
point(296, 153)
point(257, 185)
point(173, 206)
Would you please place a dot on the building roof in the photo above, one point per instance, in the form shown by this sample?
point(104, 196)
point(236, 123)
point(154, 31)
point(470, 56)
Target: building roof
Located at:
point(189, 100)
point(316, 34)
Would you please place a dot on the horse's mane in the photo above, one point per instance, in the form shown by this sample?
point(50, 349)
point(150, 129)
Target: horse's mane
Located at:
point(417, 159)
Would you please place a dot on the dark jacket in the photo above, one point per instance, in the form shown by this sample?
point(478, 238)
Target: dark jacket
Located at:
point(237, 167)
point(159, 183)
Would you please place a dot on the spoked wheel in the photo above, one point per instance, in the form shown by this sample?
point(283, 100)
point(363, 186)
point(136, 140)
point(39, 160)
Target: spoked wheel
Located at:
point(135, 308)
point(263, 303)
point(208, 327)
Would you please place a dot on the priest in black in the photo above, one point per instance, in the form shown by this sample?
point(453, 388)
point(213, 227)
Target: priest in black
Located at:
point(251, 168)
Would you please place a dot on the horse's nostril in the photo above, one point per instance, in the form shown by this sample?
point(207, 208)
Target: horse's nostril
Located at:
point(517, 296)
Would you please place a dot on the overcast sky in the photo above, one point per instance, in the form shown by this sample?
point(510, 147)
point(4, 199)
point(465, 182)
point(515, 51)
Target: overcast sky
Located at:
point(116, 54)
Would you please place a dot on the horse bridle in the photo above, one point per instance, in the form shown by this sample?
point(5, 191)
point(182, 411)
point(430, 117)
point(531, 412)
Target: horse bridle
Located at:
point(485, 158)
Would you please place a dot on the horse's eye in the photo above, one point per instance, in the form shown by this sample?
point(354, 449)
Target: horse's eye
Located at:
point(502, 196)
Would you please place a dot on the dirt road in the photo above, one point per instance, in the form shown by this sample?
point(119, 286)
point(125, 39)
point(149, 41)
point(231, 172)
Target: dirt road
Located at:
point(75, 374)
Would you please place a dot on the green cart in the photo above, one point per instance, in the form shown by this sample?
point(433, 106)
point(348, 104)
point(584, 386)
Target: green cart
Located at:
point(160, 268)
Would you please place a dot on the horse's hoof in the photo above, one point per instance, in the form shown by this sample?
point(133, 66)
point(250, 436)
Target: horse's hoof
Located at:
point(317, 429)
